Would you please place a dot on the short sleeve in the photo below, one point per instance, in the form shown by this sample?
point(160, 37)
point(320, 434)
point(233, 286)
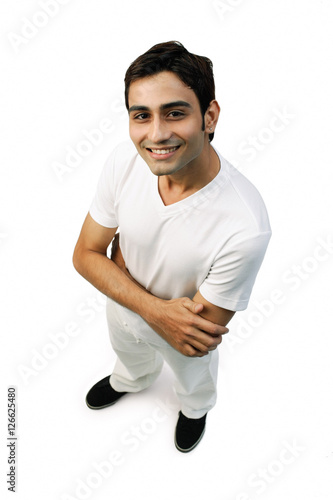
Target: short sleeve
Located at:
point(231, 278)
point(102, 209)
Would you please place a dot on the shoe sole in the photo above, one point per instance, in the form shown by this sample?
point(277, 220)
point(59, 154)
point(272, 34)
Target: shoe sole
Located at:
point(186, 450)
point(104, 406)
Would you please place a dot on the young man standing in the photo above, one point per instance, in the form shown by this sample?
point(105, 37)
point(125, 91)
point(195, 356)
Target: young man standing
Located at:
point(193, 233)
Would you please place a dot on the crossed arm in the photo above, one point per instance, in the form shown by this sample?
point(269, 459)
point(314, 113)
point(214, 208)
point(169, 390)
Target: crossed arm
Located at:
point(193, 327)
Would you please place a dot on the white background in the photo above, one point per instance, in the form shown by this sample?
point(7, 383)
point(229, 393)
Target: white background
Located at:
point(275, 386)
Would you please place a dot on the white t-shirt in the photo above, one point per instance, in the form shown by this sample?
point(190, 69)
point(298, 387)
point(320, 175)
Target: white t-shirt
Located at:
point(213, 241)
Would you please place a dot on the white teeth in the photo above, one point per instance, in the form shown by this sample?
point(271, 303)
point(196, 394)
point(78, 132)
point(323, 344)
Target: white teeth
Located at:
point(163, 151)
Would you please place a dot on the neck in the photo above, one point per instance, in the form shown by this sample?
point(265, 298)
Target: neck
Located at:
point(190, 178)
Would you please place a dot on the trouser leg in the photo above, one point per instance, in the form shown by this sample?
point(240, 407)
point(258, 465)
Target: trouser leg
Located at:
point(140, 362)
point(136, 368)
point(137, 365)
point(196, 381)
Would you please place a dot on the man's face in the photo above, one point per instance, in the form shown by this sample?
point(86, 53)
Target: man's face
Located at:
point(165, 123)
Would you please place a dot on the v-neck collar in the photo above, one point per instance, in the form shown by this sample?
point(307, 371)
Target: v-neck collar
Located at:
point(193, 200)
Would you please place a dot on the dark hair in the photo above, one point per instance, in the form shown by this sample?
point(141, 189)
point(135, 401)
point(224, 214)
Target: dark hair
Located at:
point(195, 71)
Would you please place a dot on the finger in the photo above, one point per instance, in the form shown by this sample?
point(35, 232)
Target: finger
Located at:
point(193, 352)
point(206, 344)
point(213, 348)
point(194, 347)
point(218, 334)
point(202, 323)
point(192, 306)
point(196, 308)
point(203, 340)
point(208, 327)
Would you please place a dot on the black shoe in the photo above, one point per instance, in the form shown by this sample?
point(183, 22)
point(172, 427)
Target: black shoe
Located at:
point(102, 395)
point(189, 432)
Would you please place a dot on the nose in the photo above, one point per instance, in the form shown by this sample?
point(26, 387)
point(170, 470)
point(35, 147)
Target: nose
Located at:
point(158, 131)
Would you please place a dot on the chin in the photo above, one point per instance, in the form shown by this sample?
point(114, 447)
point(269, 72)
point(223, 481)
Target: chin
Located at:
point(163, 169)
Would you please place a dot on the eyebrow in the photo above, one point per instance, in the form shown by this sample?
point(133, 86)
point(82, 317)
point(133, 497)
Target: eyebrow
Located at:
point(163, 107)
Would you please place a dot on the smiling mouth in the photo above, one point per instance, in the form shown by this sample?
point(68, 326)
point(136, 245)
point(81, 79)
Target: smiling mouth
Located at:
point(163, 151)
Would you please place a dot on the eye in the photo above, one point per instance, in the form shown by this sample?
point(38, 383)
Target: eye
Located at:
point(176, 114)
point(141, 116)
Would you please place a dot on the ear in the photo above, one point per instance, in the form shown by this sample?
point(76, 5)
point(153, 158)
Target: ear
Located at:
point(211, 117)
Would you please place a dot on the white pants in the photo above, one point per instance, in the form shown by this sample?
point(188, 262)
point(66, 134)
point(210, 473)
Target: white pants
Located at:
point(140, 355)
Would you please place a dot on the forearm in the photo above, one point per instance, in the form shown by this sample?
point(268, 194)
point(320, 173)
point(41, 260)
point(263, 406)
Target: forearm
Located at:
point(117, 283)
point(177, 321)
point(110, 280)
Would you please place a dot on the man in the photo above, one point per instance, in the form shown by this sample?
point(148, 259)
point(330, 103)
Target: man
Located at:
point(192, 235)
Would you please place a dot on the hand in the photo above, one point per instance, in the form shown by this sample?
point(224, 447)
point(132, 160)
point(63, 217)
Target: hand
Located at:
point(178, 321)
